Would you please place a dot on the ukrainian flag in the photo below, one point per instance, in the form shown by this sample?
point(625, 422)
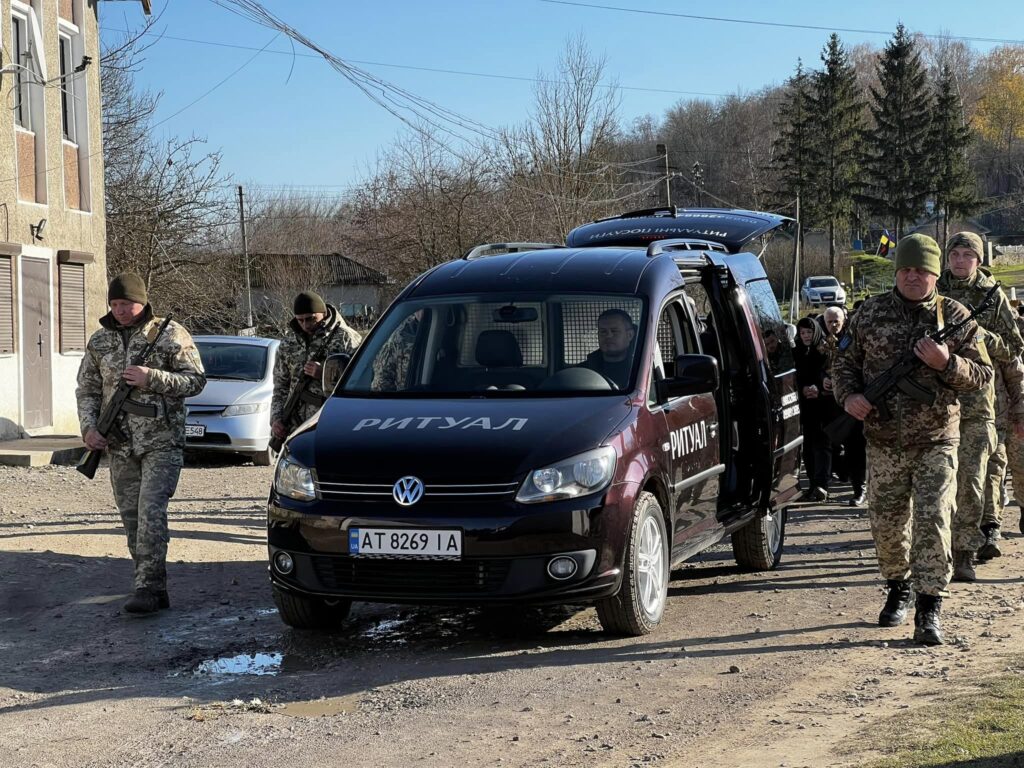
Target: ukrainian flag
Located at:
point(884, 244)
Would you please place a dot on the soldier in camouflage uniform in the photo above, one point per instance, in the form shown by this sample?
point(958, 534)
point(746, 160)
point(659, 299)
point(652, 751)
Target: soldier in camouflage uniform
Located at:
point(911, 445)
point(146, 457)
point(313, 321)
point(1008, 454)
point(391, 365)
point(967, 284)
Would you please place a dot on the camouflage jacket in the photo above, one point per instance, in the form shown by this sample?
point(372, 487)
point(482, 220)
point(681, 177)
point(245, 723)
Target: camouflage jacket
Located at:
point(292, 356)
point(391, 365)
point(176, 372)
point(880, 333)
point(1002, 340)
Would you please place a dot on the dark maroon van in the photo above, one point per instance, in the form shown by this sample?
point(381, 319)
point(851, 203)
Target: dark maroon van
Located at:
point(536, 423)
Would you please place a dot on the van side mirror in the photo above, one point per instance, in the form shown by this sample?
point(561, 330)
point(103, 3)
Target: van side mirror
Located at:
point(334, 366)
point(695, 375)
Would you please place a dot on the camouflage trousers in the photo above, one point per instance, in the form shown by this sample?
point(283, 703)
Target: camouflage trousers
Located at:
point(910, 499)
point(142, 487)
point(1009, 453)
point(977, 444)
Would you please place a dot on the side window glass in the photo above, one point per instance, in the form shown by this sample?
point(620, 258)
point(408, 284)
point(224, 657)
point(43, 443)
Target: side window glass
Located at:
point(773, 328)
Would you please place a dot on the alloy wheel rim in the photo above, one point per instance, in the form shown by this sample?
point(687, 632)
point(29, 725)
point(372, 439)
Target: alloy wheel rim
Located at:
point(650, 568)
point(773, 530)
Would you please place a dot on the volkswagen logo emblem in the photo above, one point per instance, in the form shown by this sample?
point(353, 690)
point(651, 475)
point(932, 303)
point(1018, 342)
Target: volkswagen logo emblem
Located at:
point(408, 490)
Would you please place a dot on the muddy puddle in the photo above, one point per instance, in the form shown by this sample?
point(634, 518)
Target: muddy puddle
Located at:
point(326, 707)
point(257, 664)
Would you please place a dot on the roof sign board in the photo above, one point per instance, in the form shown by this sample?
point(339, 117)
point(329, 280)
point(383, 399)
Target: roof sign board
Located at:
point(732, 228)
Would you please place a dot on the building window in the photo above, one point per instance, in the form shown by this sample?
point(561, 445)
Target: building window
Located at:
point(71, 296)
point(23, 70)
point(6, 307)
point(67, 91)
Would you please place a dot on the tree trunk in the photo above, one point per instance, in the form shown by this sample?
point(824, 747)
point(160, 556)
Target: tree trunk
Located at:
point(945, 235)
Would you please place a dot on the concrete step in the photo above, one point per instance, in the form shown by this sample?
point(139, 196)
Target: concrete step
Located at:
point(40, 451)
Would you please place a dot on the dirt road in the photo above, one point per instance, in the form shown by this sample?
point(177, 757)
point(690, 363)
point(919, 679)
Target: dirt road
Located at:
point(783, 668)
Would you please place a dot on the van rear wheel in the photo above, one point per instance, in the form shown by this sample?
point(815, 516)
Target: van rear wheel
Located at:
point(304, 612)
point(640, 603)
point(757, 546)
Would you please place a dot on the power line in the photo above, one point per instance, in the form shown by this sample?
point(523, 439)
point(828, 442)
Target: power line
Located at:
point(492, 75)
point(164, 120)
point(784, 25)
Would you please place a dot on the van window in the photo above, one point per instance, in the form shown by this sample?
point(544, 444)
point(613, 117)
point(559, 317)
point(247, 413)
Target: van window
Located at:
point(501, 345)
point(772, 326)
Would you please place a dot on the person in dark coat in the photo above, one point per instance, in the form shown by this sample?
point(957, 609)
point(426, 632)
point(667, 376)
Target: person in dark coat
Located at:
point(811, 359)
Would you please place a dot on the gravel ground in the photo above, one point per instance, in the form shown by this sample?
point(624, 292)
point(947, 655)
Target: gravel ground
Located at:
point(781, 668)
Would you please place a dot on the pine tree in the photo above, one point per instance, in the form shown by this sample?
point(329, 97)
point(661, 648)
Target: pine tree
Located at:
point(792, 158)
point(837, 107)
point(896, 169)
point(954, 184)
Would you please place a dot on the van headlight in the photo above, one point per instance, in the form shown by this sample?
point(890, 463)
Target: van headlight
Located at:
point(293, 480)
point(245, 409)
point(580, 475)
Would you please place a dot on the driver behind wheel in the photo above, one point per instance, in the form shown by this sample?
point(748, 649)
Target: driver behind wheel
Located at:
point(613, 358)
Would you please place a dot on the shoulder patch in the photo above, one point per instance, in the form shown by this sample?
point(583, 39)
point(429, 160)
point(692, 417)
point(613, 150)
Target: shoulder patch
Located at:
point(845, 342)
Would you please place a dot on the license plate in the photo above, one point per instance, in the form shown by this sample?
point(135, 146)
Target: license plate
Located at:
point(195, 430)
point(422, 542)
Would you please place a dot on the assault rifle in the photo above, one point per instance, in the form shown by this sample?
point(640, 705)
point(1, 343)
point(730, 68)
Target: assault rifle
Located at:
point(300, 392)
point(898, 377)
point(119, 403)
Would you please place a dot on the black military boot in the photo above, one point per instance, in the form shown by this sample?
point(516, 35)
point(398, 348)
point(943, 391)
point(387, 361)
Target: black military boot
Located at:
point(990, 548)
point(145, 601)
point(927, 629)
point(896, 604)
point(963, 565)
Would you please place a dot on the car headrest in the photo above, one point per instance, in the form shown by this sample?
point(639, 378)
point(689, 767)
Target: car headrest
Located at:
point(498, 349)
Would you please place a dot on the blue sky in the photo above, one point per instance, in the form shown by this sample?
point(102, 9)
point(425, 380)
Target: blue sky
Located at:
point(295, 121)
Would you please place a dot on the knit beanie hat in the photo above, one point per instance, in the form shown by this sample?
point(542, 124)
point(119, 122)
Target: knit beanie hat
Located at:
point(966, 240)
point(129, 287)
point(309, 303)
point(919, 251)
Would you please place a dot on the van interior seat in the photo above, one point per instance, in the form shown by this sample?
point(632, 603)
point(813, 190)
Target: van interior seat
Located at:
point(499, 355)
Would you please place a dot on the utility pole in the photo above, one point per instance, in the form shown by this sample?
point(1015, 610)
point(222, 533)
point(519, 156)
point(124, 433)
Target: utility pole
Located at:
point(794, 302)
point(245, 259)
point(698, 181)
point(662, 149)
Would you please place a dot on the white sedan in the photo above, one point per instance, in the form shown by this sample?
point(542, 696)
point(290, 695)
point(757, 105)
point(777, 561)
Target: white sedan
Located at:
point(823, 290)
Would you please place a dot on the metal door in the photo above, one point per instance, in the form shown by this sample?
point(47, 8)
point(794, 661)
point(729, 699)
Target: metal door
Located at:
point(36, 343)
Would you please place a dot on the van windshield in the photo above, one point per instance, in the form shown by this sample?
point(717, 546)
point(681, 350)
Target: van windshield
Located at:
point(501, 346)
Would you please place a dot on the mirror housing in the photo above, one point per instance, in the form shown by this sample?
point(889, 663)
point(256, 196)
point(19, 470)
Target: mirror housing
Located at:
point(695, 375)
point(334, 367)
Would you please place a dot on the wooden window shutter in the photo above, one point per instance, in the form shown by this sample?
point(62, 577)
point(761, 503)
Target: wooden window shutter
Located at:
point(71, 287)
point(6, 307)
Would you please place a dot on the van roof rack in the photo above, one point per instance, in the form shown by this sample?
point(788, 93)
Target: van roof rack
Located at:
point(683, 244)
point(497, 249)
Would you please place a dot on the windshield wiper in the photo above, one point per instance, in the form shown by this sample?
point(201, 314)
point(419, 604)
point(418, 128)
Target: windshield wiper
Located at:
point(229, 377)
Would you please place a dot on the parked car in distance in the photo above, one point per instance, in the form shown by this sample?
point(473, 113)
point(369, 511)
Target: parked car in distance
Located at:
point(232, 413)
point(823, 290)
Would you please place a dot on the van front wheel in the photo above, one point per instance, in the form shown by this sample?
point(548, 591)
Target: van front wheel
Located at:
point(640, 603)
point(757, 546)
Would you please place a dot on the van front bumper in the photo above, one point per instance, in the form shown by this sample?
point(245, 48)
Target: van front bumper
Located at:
point(506, 550)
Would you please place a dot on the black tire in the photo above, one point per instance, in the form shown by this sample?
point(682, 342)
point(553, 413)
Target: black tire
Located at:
point(310, 612)
point(262, 458)
point(640, 603)
point(757, 546)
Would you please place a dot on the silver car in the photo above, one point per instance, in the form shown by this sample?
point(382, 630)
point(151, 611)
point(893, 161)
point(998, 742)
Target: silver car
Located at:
point(823, 290)
point(232, 413)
